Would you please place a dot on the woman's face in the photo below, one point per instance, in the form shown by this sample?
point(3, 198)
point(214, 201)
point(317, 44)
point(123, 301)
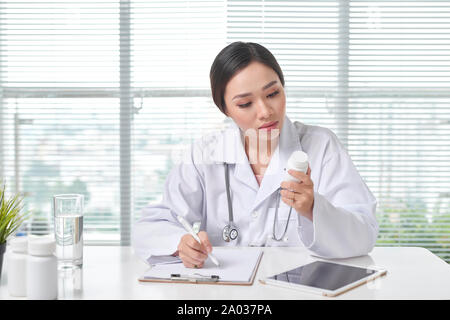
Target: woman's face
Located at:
point(255, 99)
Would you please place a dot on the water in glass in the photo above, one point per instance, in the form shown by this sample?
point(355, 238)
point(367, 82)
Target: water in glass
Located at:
point(69, 230)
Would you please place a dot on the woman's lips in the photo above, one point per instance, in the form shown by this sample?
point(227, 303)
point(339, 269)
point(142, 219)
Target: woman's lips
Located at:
point(270, 125)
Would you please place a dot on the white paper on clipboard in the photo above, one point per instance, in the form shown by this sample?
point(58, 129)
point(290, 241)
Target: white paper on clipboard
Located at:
point(237, 265)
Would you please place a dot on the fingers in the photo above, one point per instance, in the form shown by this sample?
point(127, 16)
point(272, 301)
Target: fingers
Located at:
point(205, 241)
point(302, 203)
point(296, 194)
point(288, 195)
point(305, 181)
point(293, 186)
point(190, 263)
point(289, 202)
point(191, 259)
point(292, 197)
point(192, 253)
point(303, 177)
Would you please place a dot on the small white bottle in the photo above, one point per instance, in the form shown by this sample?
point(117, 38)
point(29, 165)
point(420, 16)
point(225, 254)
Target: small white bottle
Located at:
point(42, 269)
point(298, 161)
point(17, 267)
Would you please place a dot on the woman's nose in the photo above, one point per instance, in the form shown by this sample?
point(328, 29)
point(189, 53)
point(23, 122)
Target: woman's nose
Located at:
point(264, 110)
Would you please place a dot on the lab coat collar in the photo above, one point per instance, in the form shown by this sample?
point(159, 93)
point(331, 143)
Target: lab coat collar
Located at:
point(229, 148)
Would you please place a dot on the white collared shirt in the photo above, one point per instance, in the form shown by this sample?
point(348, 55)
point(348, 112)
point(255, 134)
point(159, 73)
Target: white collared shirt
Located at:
point(344, 222)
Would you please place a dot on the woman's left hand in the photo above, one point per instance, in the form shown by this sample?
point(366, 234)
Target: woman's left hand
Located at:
point(299, 195)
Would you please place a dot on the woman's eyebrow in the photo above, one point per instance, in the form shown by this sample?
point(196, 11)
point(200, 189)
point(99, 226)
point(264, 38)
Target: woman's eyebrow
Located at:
point(271, 83)
point(242, 95)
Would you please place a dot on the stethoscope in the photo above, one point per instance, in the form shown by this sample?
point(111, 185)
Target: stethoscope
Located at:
point(230, 231)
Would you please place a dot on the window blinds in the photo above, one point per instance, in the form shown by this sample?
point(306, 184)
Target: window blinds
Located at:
point(60, 109)
point(378, 75)
point(174, 45)
point(99, 97)
point(399, 117)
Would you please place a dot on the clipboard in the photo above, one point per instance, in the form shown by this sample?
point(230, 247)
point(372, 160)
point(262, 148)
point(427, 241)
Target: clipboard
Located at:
point(231, 259)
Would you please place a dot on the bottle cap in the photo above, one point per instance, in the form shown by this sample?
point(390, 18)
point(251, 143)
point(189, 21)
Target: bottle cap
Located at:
point(41, 246)
point(19, 244)
point(298, 161)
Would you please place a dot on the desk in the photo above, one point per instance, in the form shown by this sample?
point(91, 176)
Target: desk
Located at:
point(111, 272)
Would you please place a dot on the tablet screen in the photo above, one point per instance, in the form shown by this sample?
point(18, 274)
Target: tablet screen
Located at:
point(324, 275)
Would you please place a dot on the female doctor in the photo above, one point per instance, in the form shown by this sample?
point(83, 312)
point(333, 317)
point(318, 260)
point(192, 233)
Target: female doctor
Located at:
point(232, 181)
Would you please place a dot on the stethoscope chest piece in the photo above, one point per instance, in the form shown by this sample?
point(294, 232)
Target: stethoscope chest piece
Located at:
point(230, 232)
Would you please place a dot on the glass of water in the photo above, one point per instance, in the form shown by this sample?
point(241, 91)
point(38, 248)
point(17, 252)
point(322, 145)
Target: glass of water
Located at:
point(68, 214)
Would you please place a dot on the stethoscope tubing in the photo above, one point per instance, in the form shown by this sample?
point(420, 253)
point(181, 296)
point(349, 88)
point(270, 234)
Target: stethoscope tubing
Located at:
point(275, 218)
point(230, 205)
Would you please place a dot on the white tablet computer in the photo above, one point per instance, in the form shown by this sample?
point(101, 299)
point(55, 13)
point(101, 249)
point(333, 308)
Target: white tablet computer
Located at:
point(325, 278)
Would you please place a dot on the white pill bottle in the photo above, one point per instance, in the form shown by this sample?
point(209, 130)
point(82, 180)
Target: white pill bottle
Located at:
point(42, 269)
point(17, 267)
point(298, 161)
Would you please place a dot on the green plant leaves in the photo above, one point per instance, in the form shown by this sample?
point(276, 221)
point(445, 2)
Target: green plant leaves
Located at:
point(10, 214)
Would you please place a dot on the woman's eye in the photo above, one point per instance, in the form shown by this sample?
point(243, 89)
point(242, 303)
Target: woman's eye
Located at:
point(273, 94)
point(245, 105)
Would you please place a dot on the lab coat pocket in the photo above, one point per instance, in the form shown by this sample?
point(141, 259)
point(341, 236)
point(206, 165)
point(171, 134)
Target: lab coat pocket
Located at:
point(291, 238)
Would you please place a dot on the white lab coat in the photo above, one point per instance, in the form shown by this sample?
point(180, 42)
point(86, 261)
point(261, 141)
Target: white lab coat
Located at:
point(344, 222)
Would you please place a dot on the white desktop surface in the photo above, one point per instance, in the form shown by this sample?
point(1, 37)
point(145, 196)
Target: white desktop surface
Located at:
point(111, 272)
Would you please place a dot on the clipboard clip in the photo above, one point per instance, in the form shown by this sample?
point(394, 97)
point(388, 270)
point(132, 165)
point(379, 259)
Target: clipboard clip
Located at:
point(196, 277)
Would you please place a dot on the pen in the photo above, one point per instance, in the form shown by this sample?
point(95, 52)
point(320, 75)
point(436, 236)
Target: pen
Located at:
point(189, 229)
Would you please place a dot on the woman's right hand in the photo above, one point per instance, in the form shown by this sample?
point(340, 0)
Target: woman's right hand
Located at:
point(192, 253)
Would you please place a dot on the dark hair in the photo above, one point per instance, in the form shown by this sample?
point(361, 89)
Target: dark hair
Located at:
point(233, 58)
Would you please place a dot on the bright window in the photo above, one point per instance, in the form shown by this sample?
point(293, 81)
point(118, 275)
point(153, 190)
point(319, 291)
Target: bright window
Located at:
point(99, 97)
